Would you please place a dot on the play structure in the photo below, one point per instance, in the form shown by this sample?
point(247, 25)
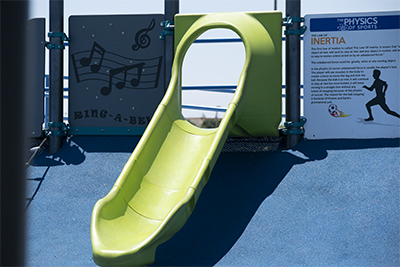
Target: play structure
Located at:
point(117, 87)
point(160, 184)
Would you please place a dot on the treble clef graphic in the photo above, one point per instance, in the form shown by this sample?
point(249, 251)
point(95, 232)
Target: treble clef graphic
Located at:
point(142, 39)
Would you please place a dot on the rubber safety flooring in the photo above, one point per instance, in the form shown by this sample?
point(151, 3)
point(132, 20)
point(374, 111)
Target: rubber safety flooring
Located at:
point(322, 203)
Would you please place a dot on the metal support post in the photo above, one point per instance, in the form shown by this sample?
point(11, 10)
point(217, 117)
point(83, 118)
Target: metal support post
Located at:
point(171, 7)
point(293, 72)
point(56, 73)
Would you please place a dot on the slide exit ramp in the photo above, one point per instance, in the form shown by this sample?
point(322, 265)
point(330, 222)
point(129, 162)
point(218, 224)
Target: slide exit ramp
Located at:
point(158, 188)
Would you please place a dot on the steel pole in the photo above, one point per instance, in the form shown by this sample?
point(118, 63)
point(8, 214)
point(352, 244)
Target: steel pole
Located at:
point(171, 7)
point(293, 72)
point(56, 73)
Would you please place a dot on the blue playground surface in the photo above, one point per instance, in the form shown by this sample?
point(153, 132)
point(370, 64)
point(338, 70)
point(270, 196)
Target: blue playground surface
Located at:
point(321, 203)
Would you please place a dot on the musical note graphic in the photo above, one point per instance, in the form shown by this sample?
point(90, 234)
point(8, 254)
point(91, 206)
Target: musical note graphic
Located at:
point(85, 61)
point(142, 39)
point(134, 81)
point(115, 70)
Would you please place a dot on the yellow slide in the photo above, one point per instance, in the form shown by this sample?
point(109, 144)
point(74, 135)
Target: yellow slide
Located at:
point(158, 188)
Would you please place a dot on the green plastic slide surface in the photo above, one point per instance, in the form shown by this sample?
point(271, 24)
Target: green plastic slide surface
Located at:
point(158, 188)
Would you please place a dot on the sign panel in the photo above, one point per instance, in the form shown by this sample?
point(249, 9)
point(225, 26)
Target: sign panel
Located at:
point(116, 73)
point(352, 75)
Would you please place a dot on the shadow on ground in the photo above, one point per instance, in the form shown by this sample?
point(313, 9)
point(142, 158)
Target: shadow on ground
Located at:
point(239, 183)
point(74, 149)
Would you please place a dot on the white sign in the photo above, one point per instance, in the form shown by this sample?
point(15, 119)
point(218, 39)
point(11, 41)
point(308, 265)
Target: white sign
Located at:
point(352, 75)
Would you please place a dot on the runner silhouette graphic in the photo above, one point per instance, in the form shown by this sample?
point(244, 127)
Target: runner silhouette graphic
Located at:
point(380, 89)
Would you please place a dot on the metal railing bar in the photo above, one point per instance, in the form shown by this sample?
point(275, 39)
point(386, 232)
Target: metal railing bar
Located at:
point(212, 88)
point(228, 40)
point(47, 89)
point(219, 109)
point(284, 86)
point(219, 40)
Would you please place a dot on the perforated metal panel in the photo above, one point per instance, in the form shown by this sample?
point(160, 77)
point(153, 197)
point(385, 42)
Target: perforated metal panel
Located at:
point(35, 77)
point(116, 73)
point(252, 144)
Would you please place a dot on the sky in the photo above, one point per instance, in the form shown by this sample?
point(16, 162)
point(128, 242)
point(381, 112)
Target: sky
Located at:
point(207, 64)
point(39, 8)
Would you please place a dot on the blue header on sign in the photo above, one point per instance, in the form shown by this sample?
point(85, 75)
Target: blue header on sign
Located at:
point(363, 23)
